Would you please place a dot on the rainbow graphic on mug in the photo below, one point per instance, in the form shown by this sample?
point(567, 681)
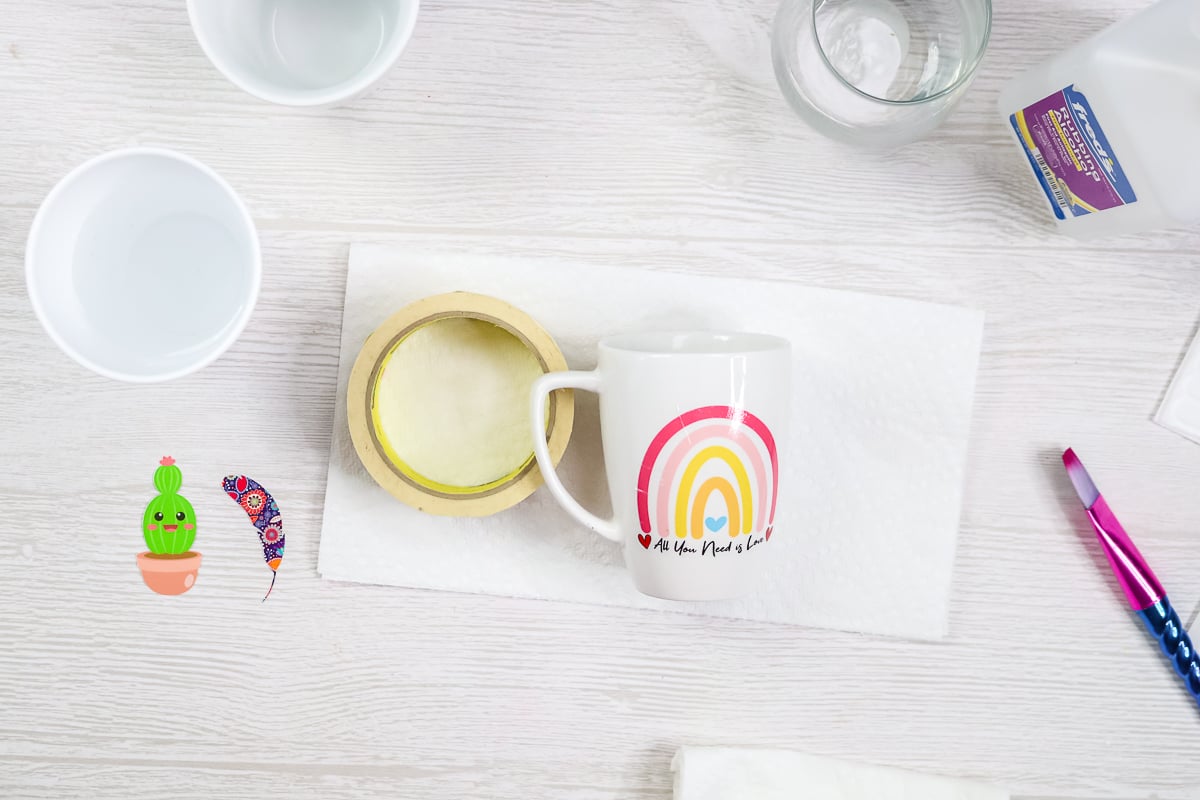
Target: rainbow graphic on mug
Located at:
point(711, 470)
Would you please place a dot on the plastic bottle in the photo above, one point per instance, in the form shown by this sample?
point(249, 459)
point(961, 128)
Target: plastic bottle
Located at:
point(1112, 127)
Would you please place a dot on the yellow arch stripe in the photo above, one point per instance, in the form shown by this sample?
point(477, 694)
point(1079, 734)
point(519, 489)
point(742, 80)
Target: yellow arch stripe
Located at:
point(1024, 126)
point(689, 479)
point(1075, 199)
point(715, 484)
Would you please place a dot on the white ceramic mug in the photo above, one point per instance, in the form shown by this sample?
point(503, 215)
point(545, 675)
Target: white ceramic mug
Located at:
point(693, 426)
point(303, 52)
point(143, 265)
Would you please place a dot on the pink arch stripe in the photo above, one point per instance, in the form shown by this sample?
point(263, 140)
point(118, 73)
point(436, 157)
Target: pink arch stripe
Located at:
point(735, 417)
point(675, 461)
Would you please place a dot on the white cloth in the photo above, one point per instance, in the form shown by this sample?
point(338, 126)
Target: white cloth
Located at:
point(870, 499)
point(728, 773)
point(1180, 409)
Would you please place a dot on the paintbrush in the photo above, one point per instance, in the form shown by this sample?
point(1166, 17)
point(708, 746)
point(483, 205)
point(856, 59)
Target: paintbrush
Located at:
point(1141, 587)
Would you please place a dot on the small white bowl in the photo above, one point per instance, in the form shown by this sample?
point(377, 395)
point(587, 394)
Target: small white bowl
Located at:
point(315, 53)
point(143, 265)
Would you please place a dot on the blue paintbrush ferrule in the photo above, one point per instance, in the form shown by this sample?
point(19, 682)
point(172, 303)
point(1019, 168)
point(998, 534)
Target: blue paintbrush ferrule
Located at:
point(1165, 626)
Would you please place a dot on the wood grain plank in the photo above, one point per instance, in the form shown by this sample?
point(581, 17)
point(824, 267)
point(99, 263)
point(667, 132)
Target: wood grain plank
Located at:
point(134, 780)
point(338, 674)
point(524, 117)
point(600, 132)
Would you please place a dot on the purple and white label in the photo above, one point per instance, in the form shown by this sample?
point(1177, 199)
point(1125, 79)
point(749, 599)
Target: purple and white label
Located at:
point(1071, 156)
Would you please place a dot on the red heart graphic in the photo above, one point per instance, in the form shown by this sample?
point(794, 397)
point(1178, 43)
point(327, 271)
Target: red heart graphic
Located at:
point(769, 530)
point(644, 540)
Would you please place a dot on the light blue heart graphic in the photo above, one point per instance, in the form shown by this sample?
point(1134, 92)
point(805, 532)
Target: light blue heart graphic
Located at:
point(715, 524)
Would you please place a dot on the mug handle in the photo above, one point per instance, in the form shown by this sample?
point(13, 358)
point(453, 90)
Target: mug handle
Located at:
point(542, 387)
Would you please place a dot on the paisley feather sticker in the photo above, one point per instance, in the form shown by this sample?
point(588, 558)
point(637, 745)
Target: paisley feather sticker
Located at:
point(264, 516)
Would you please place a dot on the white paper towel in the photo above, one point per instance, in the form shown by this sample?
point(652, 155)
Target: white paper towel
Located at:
point(720, 773)
point(1180, 409)
point(869, 504)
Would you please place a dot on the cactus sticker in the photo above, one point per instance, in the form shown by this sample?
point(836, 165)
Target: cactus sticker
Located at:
point(169, 528)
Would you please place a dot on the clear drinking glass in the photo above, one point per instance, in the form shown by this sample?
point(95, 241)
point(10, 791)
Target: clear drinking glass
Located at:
point(878, 73)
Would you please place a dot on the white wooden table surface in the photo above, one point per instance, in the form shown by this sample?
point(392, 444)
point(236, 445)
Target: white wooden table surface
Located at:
point(601, 131)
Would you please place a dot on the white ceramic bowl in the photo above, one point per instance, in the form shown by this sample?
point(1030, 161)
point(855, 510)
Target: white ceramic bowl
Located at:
point(143, 265)
point(303, 52)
